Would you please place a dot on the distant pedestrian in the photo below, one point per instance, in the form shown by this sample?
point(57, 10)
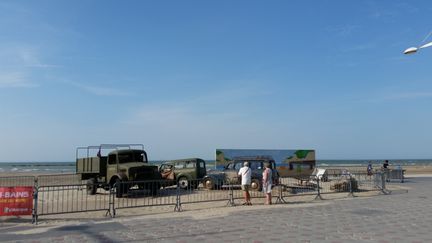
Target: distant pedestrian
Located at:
point(267, 182)
point(369, 169)
point(386, 170)
point(386, 164)
point(246, 174)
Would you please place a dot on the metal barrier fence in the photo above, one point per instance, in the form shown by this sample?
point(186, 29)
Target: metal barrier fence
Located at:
point(12, 181)
point(61, 199)
point(394, 174)
point(133, 194)
point(41, 180)
point(58, 179)
point(52, 198)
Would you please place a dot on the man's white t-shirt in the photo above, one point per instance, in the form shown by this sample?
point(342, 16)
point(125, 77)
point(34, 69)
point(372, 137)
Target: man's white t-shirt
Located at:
point(246, 174)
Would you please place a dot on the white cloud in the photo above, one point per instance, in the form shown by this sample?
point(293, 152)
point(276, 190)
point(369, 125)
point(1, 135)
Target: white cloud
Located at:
point(30, 58)
point(99, 90)
point(15, 80)
point(219, 119)
point(343, 30)
point(359, 47)
point(408, 95)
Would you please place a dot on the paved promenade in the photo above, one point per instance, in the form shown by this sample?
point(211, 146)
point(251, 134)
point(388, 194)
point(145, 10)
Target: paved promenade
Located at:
point(399, 217)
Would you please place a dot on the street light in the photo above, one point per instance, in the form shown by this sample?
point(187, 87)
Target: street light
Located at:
point(413, 50)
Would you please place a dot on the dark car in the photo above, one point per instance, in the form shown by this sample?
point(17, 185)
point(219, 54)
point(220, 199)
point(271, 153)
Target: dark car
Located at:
point(186, 172)
point(229, 175)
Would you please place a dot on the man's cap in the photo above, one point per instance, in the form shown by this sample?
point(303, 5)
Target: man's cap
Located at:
point(246, 163)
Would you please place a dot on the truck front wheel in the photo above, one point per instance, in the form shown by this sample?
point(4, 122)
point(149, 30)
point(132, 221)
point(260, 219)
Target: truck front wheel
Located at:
point(91, 186)
point(121, 188)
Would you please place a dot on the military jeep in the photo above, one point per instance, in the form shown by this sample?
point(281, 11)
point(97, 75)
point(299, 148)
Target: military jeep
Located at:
point(125, 166)
point(187, 173)
point(229, 175)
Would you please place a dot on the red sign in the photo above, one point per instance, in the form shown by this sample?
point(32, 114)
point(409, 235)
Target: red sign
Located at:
point(16, 200)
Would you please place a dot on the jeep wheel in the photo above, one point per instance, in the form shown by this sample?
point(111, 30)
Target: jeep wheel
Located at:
point(255, 185)
point(208, 184)
point(91, 186)
point(183, 183)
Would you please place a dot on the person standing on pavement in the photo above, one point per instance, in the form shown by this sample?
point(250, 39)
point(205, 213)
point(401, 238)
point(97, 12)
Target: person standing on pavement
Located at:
point(386, 170)
point(246, 174)
point(386, 164)
point(267, 182)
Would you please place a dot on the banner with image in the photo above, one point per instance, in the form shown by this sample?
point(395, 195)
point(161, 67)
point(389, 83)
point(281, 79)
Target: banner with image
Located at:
point(16, 200)
point(289, 162)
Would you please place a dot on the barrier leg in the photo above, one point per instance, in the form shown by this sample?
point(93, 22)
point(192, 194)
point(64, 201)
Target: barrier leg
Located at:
point(351, 189)
point(178, 207)
point(280, 198)
point(111, 206)
point(35, 205)
point(318, 196)
point(231, 197)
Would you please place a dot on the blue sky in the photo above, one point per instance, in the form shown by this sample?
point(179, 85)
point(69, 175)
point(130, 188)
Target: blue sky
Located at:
point(187, 77)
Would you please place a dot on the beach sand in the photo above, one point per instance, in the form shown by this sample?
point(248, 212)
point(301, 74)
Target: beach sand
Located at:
point(410, 170)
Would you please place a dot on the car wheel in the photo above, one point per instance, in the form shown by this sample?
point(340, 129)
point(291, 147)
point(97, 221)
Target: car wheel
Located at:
point(209, 184)
point(255, 185)
point(91, 186)
point(183, 183)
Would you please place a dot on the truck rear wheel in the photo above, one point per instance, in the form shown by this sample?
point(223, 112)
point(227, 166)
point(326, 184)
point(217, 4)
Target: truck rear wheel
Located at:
point(91, 186)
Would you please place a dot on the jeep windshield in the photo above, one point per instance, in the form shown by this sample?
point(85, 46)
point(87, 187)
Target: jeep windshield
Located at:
point(131, 157)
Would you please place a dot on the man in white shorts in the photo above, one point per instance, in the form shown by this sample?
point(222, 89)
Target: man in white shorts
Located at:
point(245, 173)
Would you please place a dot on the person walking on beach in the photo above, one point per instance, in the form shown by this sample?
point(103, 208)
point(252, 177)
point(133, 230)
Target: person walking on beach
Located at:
point(267, 182)
point(246, 174)
point(369, 169)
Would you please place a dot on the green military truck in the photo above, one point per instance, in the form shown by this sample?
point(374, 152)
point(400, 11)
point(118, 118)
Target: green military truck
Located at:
point(125, 166)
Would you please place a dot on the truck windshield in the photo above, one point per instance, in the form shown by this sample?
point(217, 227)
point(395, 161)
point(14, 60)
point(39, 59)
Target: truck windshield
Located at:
point(130, 157)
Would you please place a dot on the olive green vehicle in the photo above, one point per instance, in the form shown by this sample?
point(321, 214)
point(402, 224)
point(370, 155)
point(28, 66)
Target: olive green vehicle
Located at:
point(125, 166)
point(187, 173)
point(229, 174)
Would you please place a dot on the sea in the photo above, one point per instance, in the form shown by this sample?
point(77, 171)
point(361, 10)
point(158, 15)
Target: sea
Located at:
point(69, 167)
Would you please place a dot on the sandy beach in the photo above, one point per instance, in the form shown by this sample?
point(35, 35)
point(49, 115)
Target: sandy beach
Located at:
point(410, 170)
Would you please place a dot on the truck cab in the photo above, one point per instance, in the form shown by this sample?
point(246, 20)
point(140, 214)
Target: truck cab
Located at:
point(123, 163)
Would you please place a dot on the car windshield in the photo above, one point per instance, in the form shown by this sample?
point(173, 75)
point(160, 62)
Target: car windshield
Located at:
point(131, 157)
